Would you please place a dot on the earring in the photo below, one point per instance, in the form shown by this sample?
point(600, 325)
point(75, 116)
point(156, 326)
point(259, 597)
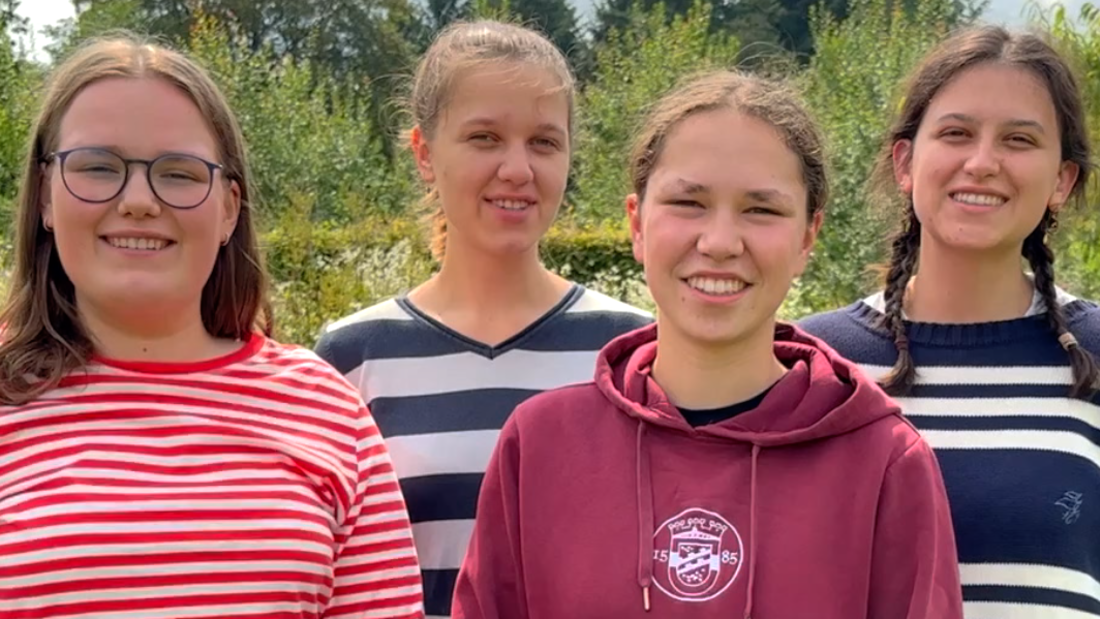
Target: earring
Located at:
point(226, 240)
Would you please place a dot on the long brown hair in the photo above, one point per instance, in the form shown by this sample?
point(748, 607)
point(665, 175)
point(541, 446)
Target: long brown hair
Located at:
point(464, 46)
point(42, 336)
point(963, 50)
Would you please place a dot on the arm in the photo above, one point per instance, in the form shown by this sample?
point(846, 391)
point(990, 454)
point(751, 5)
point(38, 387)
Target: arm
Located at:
point(377, 574)
point(914, 569)
point(491, 582)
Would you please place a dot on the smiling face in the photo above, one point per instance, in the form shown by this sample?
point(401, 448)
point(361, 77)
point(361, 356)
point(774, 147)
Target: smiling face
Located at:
point(722, 229)
point(134, 252)
point(499, 157)
point(986, 161)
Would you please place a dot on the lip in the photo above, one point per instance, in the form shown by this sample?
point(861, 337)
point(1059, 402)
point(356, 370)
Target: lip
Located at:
point(717, 299)
point(979, 190)
point(137, 234)
point(516, 197)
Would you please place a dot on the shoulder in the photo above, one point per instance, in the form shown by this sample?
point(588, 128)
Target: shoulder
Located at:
point(344, 343)
point(594, 302)
point(1083, 319)
point(853, 330)
point(386, 311)
point(301, 381)
point(603, 315)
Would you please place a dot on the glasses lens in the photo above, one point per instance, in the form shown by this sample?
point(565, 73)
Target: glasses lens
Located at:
point(181, 181)
point(94, 175)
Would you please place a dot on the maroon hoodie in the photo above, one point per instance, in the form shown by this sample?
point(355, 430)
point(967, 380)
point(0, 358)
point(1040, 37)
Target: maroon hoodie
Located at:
point(601, 502)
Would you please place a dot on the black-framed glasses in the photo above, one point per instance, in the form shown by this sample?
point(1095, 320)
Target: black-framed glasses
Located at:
point(98, 175)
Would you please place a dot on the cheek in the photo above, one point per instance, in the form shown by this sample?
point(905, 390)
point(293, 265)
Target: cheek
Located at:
point(666, 240)
point(553, 172)
point(74, 221)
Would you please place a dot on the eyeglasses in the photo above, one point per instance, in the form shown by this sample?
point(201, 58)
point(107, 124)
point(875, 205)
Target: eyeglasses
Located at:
point(97, 175)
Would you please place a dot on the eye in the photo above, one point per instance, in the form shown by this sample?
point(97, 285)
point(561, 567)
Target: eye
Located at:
point(953, 133)
point(762, 210)
point(685, 203)
point(483, 138)
point(1022, 139)
point(547, 143)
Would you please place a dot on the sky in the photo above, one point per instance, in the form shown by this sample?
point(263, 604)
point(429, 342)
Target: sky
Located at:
point(48, 12)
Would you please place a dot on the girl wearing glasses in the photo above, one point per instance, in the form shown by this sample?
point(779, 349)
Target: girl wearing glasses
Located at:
point(159, 454)
point(444, 366)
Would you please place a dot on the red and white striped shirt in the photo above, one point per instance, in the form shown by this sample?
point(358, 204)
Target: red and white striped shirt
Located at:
point(255, 485)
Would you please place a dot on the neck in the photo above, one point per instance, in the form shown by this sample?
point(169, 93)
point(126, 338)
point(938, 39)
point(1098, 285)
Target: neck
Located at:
point(706, 377)
point(958, 287)
point(134, 337)
point(473, 281)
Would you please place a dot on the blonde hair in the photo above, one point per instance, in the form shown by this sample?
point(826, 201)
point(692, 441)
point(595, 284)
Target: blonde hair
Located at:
point(43, 338)
point(462, 47)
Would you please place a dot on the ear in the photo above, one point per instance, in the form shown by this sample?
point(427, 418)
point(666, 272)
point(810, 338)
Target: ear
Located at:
point(422, 154)
point(45, 196)
point(634, 213)
point(1067, 179)
point(808, 240)
point(903, 158)
point(232, 208)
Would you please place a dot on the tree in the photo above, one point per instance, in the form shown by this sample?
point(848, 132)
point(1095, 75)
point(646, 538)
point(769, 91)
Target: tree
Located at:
point(854, 94)
point(364, 45)
point(19, 81)
point(635, 67)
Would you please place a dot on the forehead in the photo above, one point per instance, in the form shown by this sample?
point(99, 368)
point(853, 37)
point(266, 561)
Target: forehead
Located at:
point(140, 116)
point(726, 149)
point(996, 92)
point(507, 92)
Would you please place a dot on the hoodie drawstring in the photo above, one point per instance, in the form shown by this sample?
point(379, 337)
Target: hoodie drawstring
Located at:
point(645, 519)
point(645, 523)
point(752, 532)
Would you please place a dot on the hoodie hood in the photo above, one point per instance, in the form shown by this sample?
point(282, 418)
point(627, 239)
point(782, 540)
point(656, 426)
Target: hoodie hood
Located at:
point(821, 502)
point(821, 395)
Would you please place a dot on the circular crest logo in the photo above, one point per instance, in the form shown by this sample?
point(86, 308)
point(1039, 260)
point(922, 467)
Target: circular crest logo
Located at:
point(697, 555)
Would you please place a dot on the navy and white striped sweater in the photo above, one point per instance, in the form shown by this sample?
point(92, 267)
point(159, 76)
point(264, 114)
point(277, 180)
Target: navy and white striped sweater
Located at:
point(1020, 459)
point(440, 399)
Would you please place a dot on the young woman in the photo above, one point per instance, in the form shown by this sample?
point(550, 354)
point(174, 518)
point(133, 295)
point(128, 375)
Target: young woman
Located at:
point(160, 456)
point(444, 366)
point(719, 465)
point(995, 365)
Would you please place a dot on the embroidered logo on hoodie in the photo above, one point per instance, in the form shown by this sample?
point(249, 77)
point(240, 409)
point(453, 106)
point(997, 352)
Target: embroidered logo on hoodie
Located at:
point(698, 555)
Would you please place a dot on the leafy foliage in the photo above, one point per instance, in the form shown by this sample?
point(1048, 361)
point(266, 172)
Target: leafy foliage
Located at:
point(336, 193)
point(633, 69)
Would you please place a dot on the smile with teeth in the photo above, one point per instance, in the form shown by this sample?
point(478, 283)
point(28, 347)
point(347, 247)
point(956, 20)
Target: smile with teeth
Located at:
point(512, 205)
point(137, 243)
point(978, 199)
point(710, 285)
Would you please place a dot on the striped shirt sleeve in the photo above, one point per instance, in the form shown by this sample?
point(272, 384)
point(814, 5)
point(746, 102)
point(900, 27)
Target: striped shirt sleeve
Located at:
point(377, 575)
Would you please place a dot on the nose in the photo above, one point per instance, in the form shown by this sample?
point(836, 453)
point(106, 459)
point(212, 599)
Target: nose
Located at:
point(984, 160)
point(516, 166)
point(721, 237)
point(137, 198)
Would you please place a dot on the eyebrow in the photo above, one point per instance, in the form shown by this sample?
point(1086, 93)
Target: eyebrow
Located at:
point(767, 196)
point(489, 122)
point(689, 187)
point(1016, 122)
